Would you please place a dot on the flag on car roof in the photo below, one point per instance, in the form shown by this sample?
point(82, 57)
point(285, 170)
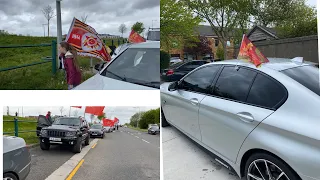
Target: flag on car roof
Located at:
point(95, 110)
point(77, 107)
point(250, 53)
point(134, 37)
point(86, 41)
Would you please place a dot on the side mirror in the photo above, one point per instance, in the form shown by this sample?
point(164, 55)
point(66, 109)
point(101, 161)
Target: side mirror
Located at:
point(99, 66)
point(173, 86)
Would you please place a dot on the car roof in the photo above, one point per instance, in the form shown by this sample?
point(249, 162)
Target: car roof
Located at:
point(277, 64)
point(147, 44)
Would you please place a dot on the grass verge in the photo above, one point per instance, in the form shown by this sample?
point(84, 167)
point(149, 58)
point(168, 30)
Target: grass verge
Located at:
point(138, 129)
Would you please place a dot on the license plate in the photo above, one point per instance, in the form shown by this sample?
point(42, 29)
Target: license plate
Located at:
point(54, 139)
point(94, 134)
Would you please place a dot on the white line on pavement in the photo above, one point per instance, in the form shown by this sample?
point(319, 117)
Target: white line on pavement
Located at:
point(136, 136)
point(145, 141)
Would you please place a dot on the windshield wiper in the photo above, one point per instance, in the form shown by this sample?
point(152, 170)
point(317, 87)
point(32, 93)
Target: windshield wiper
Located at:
point(154, 84)
point(120, 77)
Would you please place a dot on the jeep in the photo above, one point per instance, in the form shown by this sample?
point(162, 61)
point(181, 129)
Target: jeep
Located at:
point(64, 131)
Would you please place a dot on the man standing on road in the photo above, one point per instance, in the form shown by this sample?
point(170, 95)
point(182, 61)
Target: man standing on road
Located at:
point(48, 117)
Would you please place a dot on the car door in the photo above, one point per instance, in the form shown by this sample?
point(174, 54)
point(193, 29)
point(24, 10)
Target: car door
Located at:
point(230, 113)
point(182, 105)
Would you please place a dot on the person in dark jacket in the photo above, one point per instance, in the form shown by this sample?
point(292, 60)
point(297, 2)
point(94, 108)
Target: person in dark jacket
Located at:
point(69, 62)
point(48, 117)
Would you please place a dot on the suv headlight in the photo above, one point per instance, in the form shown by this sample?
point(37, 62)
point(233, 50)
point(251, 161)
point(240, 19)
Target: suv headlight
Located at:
point(43, 132)
point(70, 133)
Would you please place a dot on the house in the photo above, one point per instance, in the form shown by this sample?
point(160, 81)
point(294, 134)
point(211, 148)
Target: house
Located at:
point(260, 33)
point(206, 31)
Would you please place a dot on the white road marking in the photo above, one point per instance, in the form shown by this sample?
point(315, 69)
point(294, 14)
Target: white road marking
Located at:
point(145, 141)
point(136, 136)
point(120, 131)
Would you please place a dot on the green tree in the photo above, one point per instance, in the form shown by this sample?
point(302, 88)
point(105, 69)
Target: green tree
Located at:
point(223, 16)
point(220, 52)
point(149, 117)
point(164, 60)
point(101, 116)
point(177, 24)
point(138, 27)
point(135, 118)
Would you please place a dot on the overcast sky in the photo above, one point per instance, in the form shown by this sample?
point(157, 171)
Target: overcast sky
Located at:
point(25, 16)
point(122, 113)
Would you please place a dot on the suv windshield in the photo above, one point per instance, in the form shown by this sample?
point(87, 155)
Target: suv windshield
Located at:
point(96, 126)
point(153, 35)
point(136, 65)
point(67, 121)
point(308, 76)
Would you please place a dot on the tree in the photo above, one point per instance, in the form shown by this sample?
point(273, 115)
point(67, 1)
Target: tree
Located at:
point(220, 52)
point(48, 14)
point(135, 118)
point(138, 27)
point(3, 32)
point(101, 116)
point(223, 16)
point(84, 18)
point(200, 48)
point(164, 60)
point(149, 117)
point(177, 24)
point(61, 109)
point(122, 29)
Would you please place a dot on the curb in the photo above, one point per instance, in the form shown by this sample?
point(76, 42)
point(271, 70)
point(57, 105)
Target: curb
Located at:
point(29, 146)
point(65, 169)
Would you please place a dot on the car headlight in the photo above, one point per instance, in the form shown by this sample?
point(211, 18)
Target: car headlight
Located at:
point(44, 132)
point(71, 133)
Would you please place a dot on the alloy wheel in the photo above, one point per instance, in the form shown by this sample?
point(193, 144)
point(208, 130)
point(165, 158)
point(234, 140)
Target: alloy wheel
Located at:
point(8, 178)
point(262, 169)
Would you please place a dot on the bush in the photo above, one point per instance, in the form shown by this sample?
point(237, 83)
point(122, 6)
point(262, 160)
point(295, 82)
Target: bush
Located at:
point(220, 52)
point(149, 117)
point(164, 60)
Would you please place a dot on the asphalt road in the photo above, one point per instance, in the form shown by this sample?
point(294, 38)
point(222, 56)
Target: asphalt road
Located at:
point(184, 160)
point(125, 154)
point(43, 163)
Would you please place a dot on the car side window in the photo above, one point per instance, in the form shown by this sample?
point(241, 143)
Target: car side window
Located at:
point(234, 83)
point(266, 92)
point(200, 80)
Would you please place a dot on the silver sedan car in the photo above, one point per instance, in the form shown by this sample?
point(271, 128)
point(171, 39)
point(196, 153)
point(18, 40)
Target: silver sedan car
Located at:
point(263, 123)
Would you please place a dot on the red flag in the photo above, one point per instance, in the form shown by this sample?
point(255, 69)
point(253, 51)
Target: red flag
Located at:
point(250, 53)
point(116, 120)
point(95, 110)
point(107, 122)
point(77, 107)
point(135, 37)
point(86, 41)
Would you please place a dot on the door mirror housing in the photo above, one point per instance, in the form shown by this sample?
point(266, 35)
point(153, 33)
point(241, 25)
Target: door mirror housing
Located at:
point(99, 66)
point(173, 86)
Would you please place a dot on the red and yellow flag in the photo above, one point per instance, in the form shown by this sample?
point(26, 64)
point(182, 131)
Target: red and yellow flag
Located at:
point(95, 110)
point(249, 52)
point(135, 37)
point(86, 41)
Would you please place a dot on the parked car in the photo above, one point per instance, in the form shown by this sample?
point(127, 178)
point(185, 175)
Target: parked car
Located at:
point(136, 68)
point(261, 122)
point(65, 130)
point(107, 129)
point(176, 71)
point(175, 60)
point(125, 126)
point(153, 34)
point(42, 122)
point(153, 129)
point(97, 130)
point(16, 158)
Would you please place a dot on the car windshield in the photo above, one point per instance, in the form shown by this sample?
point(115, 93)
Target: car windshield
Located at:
point(136, 65)
point(96, 126)
point(308, 76)
point(154, 35)
point(67, 121)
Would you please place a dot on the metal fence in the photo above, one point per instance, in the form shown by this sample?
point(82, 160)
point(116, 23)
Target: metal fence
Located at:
point(52, 59)
point(16, 127)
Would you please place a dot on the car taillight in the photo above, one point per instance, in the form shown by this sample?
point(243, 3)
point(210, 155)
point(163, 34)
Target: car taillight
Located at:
point(170, 72)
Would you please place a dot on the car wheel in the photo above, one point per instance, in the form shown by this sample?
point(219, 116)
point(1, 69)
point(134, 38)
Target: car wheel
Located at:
point(78, 146)
point(102, 136)
point(87, 141)
point(164, 122)
point(44, 146)
point(9, 176)
point(265, 166)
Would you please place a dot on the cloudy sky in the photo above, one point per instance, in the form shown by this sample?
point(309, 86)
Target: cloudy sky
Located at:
point(26, 17)
point(122, 113)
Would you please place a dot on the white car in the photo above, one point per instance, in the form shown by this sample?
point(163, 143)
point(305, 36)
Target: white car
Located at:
point(136, 68)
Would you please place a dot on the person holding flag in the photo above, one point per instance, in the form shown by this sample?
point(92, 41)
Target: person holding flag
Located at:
point(70, 64)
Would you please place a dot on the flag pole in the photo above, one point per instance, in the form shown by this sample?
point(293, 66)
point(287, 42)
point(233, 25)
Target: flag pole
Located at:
point(239, 50)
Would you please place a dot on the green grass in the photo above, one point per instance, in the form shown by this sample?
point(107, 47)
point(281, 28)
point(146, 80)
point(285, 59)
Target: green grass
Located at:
point(29, 137)
point(33, 77)
point(138, 129)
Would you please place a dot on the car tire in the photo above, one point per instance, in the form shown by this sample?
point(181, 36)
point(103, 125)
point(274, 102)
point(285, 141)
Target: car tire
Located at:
point(87, 141)
point(10, 176)
point(164, 122)
point(44, 146)
point(272, 162)
point(102, 136)
point(78, 146)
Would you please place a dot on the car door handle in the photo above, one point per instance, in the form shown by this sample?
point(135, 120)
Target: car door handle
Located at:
point(245, 117)
point(194, 101)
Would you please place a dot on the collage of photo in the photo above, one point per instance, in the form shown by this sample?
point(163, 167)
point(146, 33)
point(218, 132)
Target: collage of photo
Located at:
point(160, 90)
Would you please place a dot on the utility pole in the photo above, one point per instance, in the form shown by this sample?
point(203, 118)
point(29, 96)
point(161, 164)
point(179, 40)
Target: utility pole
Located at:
point(44, 29)
point(59, 28)
point(8, 112)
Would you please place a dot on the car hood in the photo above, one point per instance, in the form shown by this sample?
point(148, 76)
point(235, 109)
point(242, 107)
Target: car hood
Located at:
point(99, 82)
point(61, 127)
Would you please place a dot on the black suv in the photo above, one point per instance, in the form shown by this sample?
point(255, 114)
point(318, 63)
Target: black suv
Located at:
point(64, 130)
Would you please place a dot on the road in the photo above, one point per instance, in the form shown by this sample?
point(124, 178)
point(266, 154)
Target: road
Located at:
point(184, 160)
point(125, 154)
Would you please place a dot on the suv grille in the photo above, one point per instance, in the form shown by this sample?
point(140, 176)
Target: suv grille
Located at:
point(52, 133)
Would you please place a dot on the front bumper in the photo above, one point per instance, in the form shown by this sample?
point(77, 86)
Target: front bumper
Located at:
point(60, 140)
point(96, 134)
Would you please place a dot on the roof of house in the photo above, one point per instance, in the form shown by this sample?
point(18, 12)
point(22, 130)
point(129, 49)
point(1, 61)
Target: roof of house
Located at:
point(270, 31)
